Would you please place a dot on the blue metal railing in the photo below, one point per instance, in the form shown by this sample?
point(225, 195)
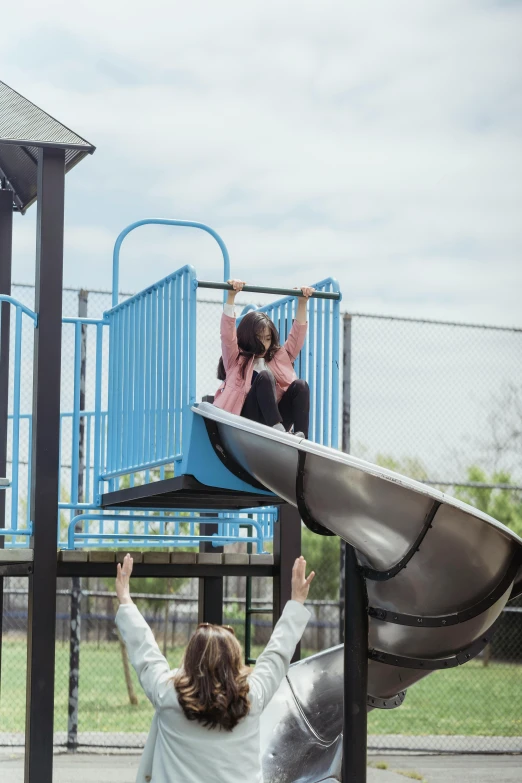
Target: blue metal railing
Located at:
point(179, 528)
point(140, 399)
point(94, 422)
point(320, 360)
point(152, 374)
point(163, 222)
point(16, 419)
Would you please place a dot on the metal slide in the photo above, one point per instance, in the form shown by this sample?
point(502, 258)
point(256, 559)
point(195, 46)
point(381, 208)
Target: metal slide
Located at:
point(438, 574)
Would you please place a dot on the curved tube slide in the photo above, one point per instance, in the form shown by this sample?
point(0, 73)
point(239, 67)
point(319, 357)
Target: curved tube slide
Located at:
point(438, 574)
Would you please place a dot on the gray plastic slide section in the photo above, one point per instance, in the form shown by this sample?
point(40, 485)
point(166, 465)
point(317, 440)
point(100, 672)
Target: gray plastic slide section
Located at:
point(438, 574)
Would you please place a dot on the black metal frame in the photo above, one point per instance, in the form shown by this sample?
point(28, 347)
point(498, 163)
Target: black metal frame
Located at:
point(210, 592)
point(419, 621)
point(45, 466)
point(355, 720)
point(15, 569)
point(287, 547)
point(183, 492)
point(433, 664)
point(383, 576)
point(6, 253)
point(164, 570)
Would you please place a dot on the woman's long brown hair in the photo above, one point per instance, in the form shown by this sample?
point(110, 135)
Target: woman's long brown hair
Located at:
point(212, 682)
point(249, 328)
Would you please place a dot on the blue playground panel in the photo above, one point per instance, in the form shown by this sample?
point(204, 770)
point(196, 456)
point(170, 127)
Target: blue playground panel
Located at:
point(141, 428)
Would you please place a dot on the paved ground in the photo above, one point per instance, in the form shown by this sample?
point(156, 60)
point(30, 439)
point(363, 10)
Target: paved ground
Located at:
point(121, 768)
point(451, 769)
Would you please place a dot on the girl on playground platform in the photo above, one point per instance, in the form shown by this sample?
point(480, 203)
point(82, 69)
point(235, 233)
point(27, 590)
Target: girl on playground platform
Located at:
point(259, 380)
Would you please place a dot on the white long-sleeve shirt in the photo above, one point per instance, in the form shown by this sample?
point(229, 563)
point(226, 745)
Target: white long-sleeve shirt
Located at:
point(183, 751)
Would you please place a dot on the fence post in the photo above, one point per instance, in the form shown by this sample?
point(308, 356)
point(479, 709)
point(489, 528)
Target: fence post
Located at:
point(6, 249)
point(353, 626)
point(75, 626)
point(346, 422)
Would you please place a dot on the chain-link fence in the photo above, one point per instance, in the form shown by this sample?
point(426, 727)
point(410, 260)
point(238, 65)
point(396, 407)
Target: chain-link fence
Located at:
point(439, 402)
point(471, 708)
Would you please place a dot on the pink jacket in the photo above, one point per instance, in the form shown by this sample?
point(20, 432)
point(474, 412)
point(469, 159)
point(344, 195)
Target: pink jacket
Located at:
point(232, 392)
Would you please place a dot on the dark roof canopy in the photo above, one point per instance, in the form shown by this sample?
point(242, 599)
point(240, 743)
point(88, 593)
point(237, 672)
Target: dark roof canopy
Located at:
point(23, 129)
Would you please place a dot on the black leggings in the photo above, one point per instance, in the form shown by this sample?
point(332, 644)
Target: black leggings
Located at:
point(294, 407)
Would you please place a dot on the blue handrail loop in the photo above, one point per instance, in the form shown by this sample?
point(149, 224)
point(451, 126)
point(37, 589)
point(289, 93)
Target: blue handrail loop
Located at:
point(163, 222)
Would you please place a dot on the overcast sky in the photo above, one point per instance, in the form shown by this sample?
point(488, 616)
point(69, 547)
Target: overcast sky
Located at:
point(377, 142)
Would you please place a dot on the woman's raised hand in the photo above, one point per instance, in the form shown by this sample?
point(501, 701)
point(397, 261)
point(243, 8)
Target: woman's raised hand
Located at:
point(307, 291)
point(123, 574)
point(300, 582)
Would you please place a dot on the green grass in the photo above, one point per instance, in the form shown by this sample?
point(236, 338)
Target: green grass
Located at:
point(472, 699)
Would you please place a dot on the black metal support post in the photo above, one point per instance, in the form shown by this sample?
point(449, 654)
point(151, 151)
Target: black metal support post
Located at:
point(355, 723)
point(210, 594)
point(45, 467)
point(6, 245)
point(353, 621)
point(75, 625)
point(346, 424)
point(287, 546)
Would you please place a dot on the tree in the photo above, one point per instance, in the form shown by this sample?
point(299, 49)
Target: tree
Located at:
point(501, 445)
point(322, 556)
point(505, 505)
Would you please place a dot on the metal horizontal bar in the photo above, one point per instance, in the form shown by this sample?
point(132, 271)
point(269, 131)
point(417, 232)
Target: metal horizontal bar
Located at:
point(93, 321)
point(262, 610)
point(16, 569)
point(162, 539)
point(14, 531)
point(258, 289)
point(165, 570)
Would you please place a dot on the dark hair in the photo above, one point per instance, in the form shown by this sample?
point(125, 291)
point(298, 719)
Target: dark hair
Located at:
point(248, 331)
point(212, 684)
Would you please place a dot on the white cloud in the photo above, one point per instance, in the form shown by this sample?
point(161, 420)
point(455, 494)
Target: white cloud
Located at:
point(377, 142)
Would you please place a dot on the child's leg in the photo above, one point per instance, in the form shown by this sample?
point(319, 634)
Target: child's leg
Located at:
point(260, 403)
point(294, 407)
